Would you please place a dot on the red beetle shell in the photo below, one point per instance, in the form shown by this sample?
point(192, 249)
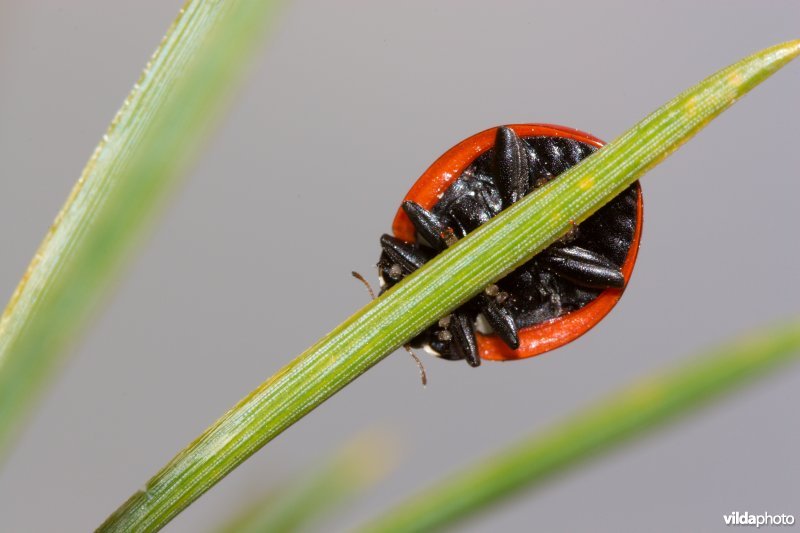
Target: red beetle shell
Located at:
point(538, 338)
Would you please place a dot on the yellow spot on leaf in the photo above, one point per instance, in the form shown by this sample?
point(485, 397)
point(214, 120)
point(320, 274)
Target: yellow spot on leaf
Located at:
point(586, 183)
point(735, 79)
point(691, 106)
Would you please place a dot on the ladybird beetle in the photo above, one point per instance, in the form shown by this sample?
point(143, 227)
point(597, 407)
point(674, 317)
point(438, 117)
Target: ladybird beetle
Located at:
point(550, 300)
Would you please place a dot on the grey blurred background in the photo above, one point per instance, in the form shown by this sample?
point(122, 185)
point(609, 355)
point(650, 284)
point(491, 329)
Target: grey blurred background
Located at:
point(348, 103)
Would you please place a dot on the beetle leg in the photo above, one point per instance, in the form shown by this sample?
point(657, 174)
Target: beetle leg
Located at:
point(583, 267)
point(464, 342)
point(501, 320)
point(429, 226)
point(510, 165)
point(400, 252)
point(468, 213)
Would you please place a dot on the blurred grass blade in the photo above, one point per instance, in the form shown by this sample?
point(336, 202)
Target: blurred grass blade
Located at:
point(451, 278)
point(353, 469)
point(160, 126)
point(629, 413)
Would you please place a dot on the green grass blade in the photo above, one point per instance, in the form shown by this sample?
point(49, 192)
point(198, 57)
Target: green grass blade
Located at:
point(160, 126)
point(441, 285)
point(354, 468)
point(629, 413)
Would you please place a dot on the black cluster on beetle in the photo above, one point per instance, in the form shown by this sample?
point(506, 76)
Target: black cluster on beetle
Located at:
point(563, 278)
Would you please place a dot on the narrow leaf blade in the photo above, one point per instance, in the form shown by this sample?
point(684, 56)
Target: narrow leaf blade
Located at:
point(146, 149)
point(441, 285)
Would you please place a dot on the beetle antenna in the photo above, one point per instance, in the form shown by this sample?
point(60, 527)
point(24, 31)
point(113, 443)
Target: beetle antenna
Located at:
point(422, 374)
point(360, 278)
